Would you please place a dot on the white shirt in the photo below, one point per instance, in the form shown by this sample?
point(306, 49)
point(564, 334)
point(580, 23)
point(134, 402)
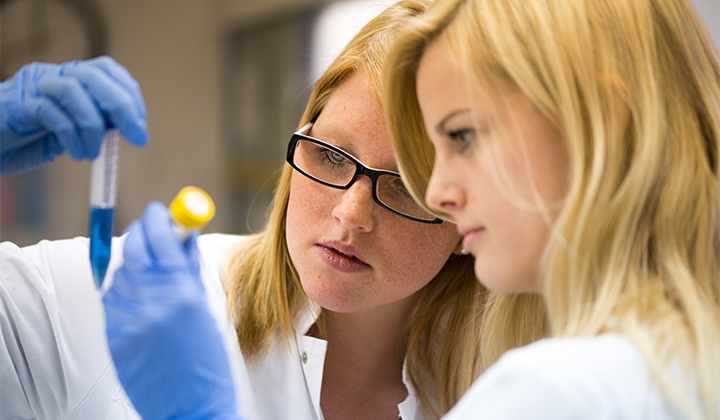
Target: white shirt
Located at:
point(54, 359)
point(600, 377)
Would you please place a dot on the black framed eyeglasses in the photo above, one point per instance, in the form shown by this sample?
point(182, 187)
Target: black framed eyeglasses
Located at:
point(329, 165)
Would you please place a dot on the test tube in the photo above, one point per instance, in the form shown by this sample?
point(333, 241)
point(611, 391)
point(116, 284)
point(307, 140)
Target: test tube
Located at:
point(103, 183)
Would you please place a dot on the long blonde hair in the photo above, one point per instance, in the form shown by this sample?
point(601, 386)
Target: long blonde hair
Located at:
point(634, 86)
point(264, 290)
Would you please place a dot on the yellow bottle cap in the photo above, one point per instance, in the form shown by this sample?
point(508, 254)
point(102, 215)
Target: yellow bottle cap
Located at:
point(192, 208)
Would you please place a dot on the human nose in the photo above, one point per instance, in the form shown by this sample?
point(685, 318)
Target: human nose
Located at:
point(443, 194)
point(355, 211)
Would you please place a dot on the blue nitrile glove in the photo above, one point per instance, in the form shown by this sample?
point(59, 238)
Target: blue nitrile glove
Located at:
point(48, 109)
point(163, 339)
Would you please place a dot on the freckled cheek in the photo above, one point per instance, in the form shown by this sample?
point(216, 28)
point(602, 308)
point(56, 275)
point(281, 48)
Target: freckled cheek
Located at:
point(304, 212)
point(418, 254)
point(308, 200)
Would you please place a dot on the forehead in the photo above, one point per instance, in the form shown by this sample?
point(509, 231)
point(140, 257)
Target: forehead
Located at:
point(441, 85)
point(352, 119)
point(444, 87)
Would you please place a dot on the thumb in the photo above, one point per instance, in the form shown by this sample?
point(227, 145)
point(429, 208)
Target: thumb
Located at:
point(193, 253)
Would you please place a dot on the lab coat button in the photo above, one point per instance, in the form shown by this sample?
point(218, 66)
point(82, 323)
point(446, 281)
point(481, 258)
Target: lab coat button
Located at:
point(304, 358)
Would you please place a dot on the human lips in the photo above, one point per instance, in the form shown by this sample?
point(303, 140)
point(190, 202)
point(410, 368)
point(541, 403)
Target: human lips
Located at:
point(470, 234)
point(342, 257)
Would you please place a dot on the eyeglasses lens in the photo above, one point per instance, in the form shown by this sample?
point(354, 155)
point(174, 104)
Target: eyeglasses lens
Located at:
point(329, 166)
point(324, 164)
point(392, 192)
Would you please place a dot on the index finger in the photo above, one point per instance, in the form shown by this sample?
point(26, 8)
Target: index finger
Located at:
point(162, 240)
point(122, 76)
point(123, 109)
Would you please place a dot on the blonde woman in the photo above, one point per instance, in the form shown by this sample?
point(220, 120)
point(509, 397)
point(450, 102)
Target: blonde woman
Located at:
point(353, 303)
point(576, 145)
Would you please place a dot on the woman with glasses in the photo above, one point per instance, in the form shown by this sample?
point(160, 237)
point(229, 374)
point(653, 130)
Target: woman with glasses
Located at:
point(354, 302)
point(338, 282)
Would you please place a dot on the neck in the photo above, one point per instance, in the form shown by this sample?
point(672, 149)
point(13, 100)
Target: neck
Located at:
point(373, 341)
point(362, 377)
point(363, 366)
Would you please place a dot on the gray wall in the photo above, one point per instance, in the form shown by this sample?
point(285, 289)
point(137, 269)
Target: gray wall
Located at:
point(710, 12)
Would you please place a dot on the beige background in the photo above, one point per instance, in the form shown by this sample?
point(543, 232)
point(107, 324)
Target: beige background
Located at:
point(174, 48)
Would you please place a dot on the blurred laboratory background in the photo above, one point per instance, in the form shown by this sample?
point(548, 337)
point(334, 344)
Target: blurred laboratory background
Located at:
point(225, 83)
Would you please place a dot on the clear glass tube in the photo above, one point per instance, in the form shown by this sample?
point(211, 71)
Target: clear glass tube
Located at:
point(103, 193)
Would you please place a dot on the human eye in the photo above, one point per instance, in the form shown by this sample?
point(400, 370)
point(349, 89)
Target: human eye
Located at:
point(462, 137)
point(331, 157)
point(399, 190)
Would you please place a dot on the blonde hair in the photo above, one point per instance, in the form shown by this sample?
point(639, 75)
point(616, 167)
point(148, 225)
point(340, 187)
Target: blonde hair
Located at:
point(634, 86)
point(264, 290)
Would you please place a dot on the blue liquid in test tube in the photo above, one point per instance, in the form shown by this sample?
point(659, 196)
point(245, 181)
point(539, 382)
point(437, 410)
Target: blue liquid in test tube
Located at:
point(103, 183)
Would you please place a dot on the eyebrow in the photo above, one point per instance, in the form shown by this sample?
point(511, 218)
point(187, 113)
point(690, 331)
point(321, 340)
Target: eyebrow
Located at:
point(440, 127)
point(338, 137)
point(330, 133)
point(346, 138)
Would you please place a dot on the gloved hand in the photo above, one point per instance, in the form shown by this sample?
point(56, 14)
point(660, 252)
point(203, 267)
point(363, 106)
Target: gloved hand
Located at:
point(47, 109)
point(165, 343)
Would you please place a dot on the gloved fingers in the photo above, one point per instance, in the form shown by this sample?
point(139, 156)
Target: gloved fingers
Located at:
point(116, 102)
point(193, 258)
point(125, 316)
point(161, 238)
point(54, 120)
point(128, 285)
point(136, 252)
point(14, 119)
point(69, 95)
point(122, 76)
point(30, 156)
point(121, 299)
point(153, 257)
point(192, 252)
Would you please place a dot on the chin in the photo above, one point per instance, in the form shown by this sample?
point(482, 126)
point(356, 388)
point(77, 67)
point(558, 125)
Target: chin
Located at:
point(337, 307)
point(504, 283)
point(334, 302)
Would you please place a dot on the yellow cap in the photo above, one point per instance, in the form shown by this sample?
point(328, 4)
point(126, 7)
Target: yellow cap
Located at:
point(192, 208)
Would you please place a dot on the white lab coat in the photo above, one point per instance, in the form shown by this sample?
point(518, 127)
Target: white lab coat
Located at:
point(54, 359)
point(591, 378)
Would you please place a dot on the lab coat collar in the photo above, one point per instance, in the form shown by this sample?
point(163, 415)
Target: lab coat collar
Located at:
point(312, 352)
